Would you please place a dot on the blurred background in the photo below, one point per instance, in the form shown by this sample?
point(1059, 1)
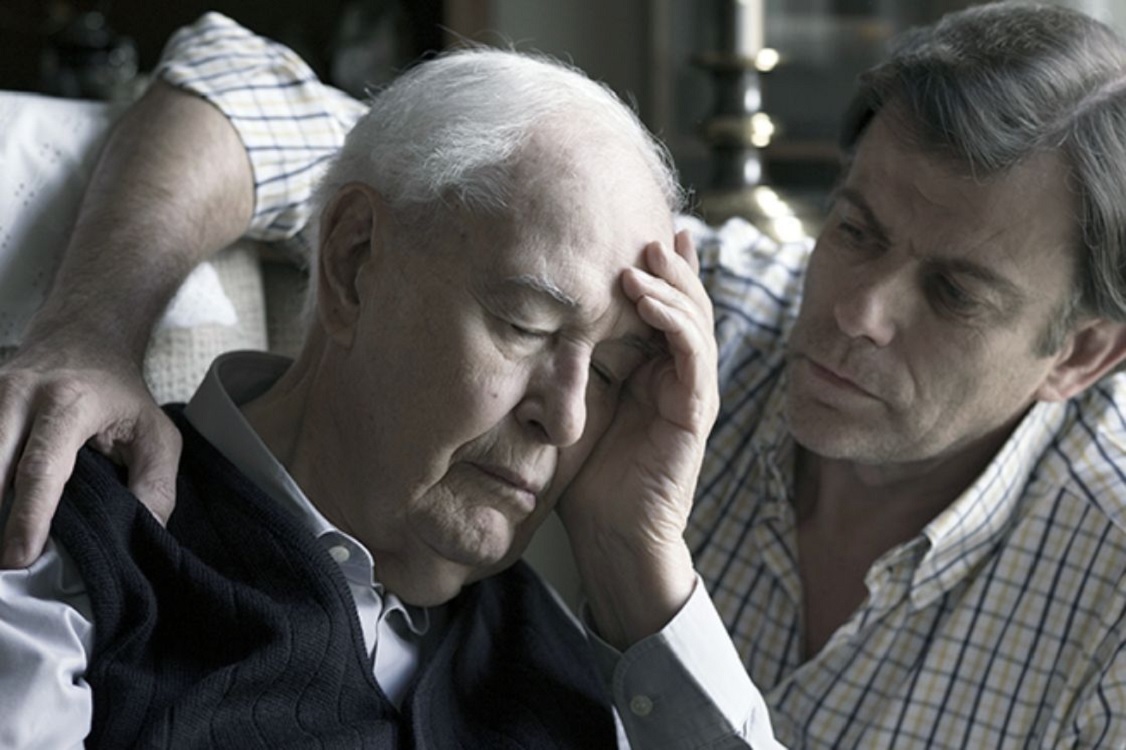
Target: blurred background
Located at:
point(746, 93)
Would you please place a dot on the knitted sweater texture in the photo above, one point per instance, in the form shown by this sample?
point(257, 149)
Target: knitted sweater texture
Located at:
point(233, 628)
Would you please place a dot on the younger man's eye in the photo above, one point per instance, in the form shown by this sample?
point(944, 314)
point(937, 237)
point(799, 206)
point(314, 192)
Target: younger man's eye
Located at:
point(851, 232)
point(952, 297)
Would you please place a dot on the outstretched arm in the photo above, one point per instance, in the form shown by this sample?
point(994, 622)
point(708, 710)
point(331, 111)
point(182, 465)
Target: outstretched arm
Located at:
point(150, 214)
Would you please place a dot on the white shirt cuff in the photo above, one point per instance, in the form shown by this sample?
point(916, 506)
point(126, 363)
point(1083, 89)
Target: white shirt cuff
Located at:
point(685, 687)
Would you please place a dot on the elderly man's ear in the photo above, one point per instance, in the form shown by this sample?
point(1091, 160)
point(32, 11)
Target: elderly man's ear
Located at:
point(1095, 348)
point(352, 238)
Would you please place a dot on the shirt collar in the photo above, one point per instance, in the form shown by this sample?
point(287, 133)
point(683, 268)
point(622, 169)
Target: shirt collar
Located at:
point(956, 541)
point(237, 378)
point(963, 534)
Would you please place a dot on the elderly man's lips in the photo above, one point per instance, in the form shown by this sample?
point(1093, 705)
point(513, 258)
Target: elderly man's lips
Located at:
point(523, 486)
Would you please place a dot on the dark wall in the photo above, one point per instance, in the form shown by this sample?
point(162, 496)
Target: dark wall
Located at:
point(308, 26)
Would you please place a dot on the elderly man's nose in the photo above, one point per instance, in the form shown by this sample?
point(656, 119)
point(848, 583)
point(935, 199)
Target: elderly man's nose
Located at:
point(556, 402)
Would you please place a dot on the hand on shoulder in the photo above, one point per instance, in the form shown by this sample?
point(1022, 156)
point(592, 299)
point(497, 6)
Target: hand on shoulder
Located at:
point(61, 391)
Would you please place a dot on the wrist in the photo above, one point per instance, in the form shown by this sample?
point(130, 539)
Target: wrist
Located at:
point(633, 588)
point(56, 338)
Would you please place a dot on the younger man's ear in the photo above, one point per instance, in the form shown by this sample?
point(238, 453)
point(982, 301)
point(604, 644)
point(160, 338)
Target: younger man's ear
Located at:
point(1095, 348)
point(349, 237)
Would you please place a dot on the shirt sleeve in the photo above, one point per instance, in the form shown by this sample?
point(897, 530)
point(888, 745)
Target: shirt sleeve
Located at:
point(685, 687)
point(46, 633)
point(290, 123)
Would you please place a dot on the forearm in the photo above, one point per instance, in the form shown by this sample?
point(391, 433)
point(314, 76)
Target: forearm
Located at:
point(230, 144)
point(150, 214)
point(229, 141)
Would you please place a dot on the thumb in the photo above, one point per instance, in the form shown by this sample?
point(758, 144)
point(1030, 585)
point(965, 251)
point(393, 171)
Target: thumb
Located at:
point(153, 458)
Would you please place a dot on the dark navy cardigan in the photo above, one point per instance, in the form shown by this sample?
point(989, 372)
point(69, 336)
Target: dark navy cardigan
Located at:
point(234, 629)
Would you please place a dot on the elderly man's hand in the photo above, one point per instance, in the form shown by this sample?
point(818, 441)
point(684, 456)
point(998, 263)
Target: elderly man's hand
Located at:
point(627, 509)
point(55, 396)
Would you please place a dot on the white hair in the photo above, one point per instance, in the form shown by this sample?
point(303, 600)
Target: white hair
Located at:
point(449, 127)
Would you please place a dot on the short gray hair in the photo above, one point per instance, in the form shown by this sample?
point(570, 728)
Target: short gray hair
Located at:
point(448, 129)
point(990, 86)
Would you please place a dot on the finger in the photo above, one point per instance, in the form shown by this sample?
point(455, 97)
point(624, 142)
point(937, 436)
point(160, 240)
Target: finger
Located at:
point(697, 309)
point(14, 425)
point(686, 320)
point(153, 457)
point(690, 345)
point(675, 268)
point(692, 400)
point(686, 249)
point(40, 474)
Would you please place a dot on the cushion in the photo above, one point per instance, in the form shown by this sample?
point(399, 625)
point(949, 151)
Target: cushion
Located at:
point(47, 153)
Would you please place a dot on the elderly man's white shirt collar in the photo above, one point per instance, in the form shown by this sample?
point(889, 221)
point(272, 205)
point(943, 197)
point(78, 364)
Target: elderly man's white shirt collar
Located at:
point(234, 379)
point(237, 378)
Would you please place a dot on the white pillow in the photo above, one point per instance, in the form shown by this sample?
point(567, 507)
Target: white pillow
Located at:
point(48, 148)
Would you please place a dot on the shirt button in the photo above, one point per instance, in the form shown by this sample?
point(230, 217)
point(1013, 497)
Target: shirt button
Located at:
point(340, 553)
point(640, 705)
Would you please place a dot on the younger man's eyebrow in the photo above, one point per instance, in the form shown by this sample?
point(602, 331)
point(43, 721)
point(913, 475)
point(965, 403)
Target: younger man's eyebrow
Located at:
point(872, 224)
point(983, 274)
point(960, 266)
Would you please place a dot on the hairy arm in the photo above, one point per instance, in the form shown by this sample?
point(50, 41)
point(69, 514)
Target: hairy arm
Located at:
point(182, 175)
point(150, 214)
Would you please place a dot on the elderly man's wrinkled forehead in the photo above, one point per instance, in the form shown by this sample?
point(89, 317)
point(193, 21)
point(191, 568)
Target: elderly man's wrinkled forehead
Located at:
point(565, 172)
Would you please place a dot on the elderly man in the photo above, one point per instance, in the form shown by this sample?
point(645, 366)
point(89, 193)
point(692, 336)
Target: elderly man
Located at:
point(910, 515)
point(483, 292)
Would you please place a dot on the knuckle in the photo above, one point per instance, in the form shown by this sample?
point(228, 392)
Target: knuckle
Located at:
point(116, 433)
point(24, 516)
point(162, 490)
point(65, 396)
point(35, 467)
point(59, 409)
point(173, 441)
point(158, 436)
